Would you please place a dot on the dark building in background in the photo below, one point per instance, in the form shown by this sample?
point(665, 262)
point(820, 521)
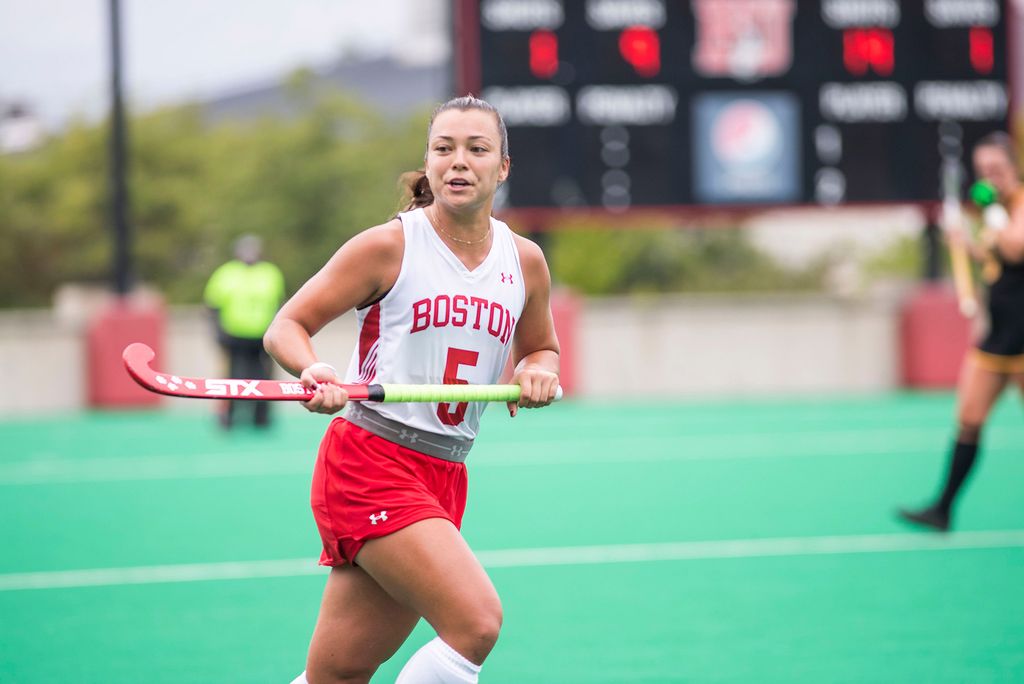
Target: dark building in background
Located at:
point(393, 87)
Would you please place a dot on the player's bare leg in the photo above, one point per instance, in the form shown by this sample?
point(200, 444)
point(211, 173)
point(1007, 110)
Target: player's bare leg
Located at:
point(979, 388)
point(429, 568)
point(359, 627)
point(1018, 380)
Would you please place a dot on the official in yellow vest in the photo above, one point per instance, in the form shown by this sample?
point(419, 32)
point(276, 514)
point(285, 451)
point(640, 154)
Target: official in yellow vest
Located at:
point(244, 295)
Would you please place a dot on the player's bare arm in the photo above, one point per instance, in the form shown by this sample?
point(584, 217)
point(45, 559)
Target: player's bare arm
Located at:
point(535, 347)
point(362, 270)
point(1010, 240)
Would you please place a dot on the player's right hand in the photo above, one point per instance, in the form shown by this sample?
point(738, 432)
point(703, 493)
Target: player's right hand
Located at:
point(328, 397)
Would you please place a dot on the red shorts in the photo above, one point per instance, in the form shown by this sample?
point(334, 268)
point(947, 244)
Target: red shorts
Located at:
point(366, 487)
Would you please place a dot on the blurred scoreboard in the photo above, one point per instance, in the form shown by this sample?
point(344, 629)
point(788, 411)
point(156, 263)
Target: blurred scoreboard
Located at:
point(648, 103)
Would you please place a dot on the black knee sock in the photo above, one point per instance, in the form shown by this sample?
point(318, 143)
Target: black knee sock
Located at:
point(960, 463)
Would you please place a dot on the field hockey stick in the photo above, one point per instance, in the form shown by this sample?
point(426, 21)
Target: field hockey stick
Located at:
point(953, 219)
point(962, 280)
point(137, 357)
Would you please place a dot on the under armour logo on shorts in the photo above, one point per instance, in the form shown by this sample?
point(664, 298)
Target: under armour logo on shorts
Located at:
point(375, 518)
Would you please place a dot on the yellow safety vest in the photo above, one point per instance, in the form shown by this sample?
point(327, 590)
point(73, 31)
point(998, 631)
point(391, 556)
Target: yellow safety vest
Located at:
point(246, 297)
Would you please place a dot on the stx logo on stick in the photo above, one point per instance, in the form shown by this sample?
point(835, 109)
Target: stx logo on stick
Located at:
point(233, 388)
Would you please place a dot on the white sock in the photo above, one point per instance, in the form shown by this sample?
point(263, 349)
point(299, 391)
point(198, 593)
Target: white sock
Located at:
point(301, 679)
point(438, 663)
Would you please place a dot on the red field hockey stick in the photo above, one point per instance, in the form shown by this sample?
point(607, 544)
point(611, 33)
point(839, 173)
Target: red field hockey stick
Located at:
point(137, 357)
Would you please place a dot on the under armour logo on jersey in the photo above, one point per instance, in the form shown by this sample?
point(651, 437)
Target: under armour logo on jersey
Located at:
point(507, 276)
point(374, 519)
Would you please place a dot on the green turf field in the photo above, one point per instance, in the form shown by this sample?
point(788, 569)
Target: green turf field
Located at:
point(656, 542)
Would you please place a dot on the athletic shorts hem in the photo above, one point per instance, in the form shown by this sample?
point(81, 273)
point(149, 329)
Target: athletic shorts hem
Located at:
point(999, 363)
point(348, 549)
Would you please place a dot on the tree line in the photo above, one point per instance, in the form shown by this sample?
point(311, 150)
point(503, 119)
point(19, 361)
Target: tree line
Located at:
point(305, 184)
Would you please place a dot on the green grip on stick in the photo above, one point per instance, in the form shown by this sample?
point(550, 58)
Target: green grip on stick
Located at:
point(449, 393)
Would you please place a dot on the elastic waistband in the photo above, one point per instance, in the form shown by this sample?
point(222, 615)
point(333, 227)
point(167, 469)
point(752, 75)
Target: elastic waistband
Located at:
point(444, 447)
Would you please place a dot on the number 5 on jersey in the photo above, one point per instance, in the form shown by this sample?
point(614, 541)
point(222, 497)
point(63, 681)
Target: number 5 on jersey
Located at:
point(456, 358)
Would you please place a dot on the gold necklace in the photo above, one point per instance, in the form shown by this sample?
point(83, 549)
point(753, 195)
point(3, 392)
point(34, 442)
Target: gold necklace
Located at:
point(437, 224)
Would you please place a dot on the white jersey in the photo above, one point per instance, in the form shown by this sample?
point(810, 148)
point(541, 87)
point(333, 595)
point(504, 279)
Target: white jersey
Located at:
point(440, 323)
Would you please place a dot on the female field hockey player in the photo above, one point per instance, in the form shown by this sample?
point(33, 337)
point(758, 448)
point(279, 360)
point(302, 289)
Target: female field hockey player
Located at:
point(998, 359)
point(443, 293)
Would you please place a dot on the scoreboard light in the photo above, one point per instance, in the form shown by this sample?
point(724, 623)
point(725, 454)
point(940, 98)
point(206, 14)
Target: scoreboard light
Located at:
point(639, 46)
point(867, 50)
point(982, 50)
point(543, 54)
point(632, 103)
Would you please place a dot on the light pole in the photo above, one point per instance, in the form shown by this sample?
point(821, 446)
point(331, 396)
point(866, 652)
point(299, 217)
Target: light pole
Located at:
point(124, 319)
point(119, 199)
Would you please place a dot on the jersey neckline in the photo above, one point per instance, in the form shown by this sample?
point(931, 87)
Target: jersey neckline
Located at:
point(451, 257)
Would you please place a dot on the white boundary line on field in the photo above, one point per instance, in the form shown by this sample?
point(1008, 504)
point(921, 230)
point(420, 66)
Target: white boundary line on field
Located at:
point(538, 557)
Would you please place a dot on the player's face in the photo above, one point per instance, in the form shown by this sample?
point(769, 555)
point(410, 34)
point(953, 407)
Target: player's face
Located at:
point(992, 164)
point(464, 163)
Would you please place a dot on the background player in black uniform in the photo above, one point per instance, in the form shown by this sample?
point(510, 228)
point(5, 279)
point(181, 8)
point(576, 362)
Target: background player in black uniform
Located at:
point(998, 358)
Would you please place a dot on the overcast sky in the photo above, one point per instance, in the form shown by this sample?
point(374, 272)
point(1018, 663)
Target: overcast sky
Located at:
point(54, 54)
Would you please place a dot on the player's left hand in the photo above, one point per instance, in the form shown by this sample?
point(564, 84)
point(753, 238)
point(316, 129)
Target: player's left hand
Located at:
point(537, 388)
